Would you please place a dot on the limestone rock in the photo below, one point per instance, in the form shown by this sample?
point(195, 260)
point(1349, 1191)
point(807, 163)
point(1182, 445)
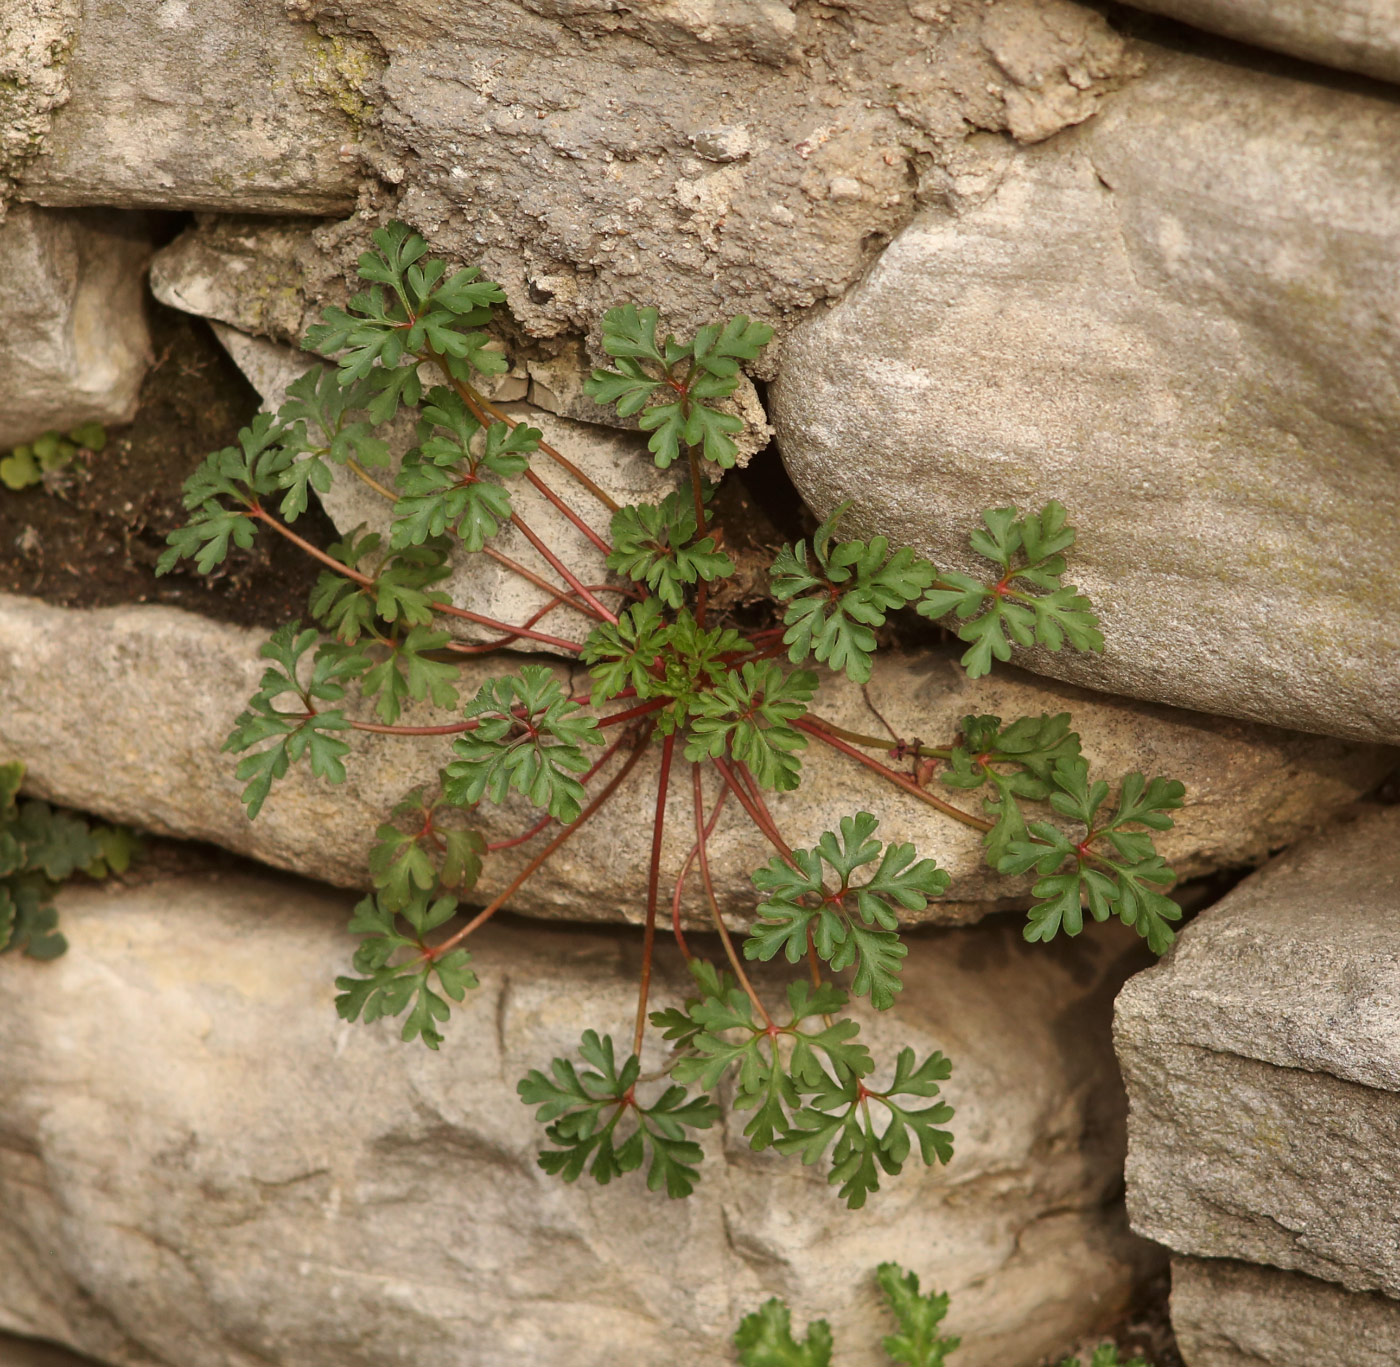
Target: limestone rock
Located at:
point(203, 1165)
point(246, 278)
point(205, 104)
point(714, 158)
point(122, 712)
point(73, 341)
point(1228, 1314)
point(35, 39)
point(619, 463)
point(1355, 35)
point(1171, 319)
point(1262, 1059)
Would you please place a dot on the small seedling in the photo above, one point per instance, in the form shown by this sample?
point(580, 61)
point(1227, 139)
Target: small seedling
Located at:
point(49, 454)
point(765, 1338)
point(41, 847)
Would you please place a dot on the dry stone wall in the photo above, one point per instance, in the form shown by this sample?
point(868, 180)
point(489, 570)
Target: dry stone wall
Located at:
point(1261, 1059)
point(159, 689)
point(204, 1166)
point(1175, 321)
point(1012, 250)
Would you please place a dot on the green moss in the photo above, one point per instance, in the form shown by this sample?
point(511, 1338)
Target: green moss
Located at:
point(336, 71)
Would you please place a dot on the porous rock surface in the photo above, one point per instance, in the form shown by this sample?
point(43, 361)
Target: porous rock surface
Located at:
point(1229, 1314)
point(746, 155)
point(74, 346)
point(1355, 35)
point(202, 1165)
point(1174, 320)
point(201, 104)
point(1262, 1059)
point(122, 711)
point(35, 37)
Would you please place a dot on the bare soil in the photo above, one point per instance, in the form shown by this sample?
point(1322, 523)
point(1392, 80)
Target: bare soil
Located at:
point(92, 535)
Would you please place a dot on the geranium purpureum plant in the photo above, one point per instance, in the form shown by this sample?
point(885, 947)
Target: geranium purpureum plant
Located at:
point(735, 706)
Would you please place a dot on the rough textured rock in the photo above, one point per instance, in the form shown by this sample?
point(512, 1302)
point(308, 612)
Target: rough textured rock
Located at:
point(1229, 1314)
point(203, 1166)
point(1172, 320)
point(204, 104)
point(35, 39)
point(151, 693)
point(619, 463)
point(247, 278)
point(1263, 1067)
point(73, 339)
point(1355, 35)
point(736, 157)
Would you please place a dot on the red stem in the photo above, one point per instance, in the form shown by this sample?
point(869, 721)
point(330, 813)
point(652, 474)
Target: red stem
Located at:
point(489, 911)
point(755, 815)
point(538, 580)
point(641, 710)
point(771, 826)
point(707, 830)
point(446, 609)
point(899, 780)
point(453, 729)
point(728, 943)
point(479, 403)
point(486, 647)
point(567, 511)
point(663, 787)
point(560, 568)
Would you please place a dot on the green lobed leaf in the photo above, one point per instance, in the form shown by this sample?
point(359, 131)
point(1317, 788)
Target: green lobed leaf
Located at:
point(1029, 603)
point(833, 609)
point(918, 1342)
point(799, 903)
point(1129, 882)
point(655, 544)
point(764, 1339)
point(529, 738)
point(584, 1114)
point(748, 713)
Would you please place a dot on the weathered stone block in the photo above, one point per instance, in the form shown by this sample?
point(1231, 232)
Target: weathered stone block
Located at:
point(1355, 35)
point(204, 104)
point(73, 341)
point(1262, 1059)
point(201, 1165)
point(1173, 320)
point(1228, 1314)
point(123, 712)
point(714, 158)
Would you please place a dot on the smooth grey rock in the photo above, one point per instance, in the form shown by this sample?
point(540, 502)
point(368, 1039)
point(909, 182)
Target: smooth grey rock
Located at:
point(1262, 1059)
point(1173, 320)
point(202, 1165)
point(123, 711)
point(1228, 1314)
point(73, 341)
point(204, 104)
point(1355, 35)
